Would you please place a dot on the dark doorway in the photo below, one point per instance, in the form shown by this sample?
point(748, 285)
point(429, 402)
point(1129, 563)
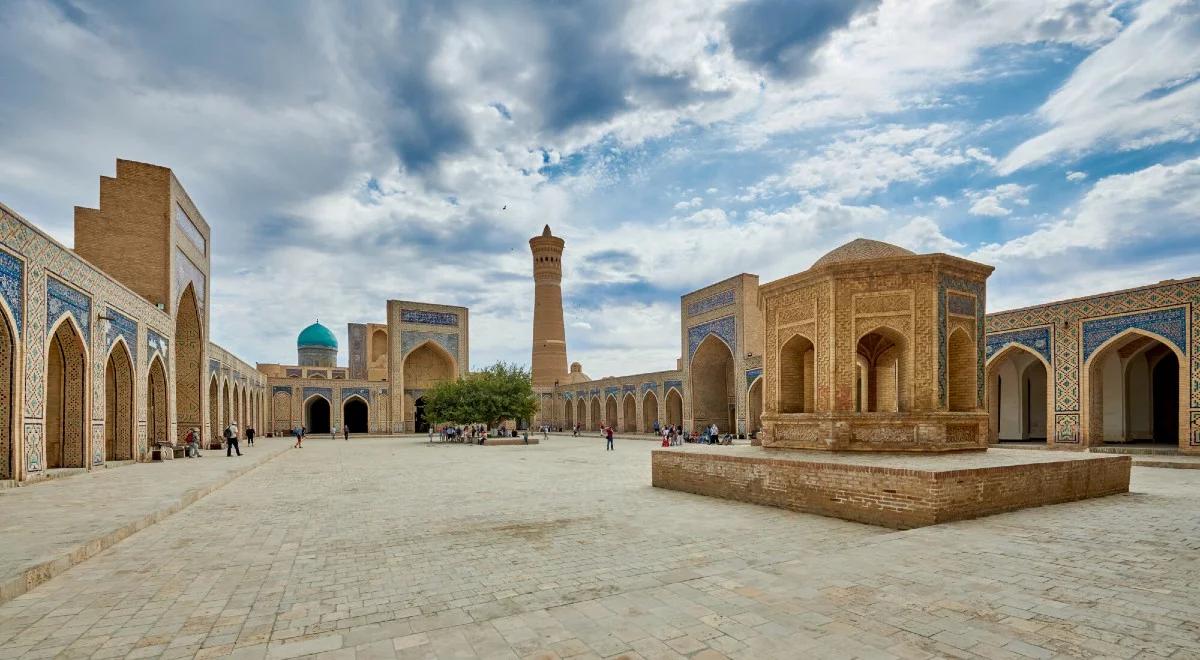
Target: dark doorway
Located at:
point(354, 413)
point(318, 415)
point(1166, 399)
point(421, 425)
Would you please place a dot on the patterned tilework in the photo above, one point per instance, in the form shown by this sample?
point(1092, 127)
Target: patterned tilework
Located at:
point(1067, 363)
point(960, 304)
point(709, 303)
point(358, 350)
point(1194, 436)
point(595, 392)
point(339, 375)
point(1035, 339)
point(157, 343)
point(364, 392)
point(647, 386)
point(677, 384)
point(752, 374)
point(629, 388)
point(294, 373)
point(323, 391)
point(1170, 324)
point(428, 318)
point(12, 286)
point(33, 447)
point(724, 327)
point(187, 272)
point(611, 389)
point(214, 366)
point(189, 229)
point(62, 299)
point(581, 393)
point(947, 285)
point(411, 339)
point(1066, 428)
point(568, 396)
point(122, 326)
point(97, 444)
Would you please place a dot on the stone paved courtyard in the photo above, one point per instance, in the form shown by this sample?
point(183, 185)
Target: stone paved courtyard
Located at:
point(385, 548)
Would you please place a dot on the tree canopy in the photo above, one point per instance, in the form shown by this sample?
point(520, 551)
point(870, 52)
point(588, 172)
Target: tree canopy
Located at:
point(501, 391)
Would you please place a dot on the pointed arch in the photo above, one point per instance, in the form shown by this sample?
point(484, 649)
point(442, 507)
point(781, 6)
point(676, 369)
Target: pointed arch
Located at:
point(356, 412)
point(118, 403)
point(1019, 394)
point(649, 410)
point(885, 353)
point(226, 405)
point(9, 361)
point(594, 417)
point(157, 407)
point(581, 413)
point(629, 416)
point(713, 385)
point(1133, 387)
point(674, 401)
point(214, 406)
point(797, 375)
point(189, 347)
point(66, 396)
point(318, 413)
point(754, 405)
point(961, 371)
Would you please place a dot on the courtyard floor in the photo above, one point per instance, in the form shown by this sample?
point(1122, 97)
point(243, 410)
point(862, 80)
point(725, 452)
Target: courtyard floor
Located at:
point(390, 548)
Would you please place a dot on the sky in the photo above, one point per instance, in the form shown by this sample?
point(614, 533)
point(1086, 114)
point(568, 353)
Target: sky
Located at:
point(349, 153)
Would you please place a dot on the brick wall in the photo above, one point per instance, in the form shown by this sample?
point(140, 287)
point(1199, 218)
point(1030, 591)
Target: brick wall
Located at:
point(890, 497)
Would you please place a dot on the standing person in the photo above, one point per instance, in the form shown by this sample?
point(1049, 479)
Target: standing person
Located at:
point(656, 429)
point(346, 432)
point(545, 434)
point(192, 448)
point(231, 440)
point(333, 431)
point(608, 433)
point(299, 433)
point(249, 436)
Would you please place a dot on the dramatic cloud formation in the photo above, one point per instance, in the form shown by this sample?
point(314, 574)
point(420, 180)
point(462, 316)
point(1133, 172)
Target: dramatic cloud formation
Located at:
point(347, 154)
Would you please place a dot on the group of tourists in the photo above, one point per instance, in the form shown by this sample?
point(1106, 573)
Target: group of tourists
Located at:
point(230, 434)
point(472, 433)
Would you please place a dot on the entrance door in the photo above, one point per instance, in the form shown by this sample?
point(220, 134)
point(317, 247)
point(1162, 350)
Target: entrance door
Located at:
point(420, 424)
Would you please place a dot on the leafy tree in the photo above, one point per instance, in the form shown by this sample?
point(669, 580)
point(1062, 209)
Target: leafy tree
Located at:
point(501, 391)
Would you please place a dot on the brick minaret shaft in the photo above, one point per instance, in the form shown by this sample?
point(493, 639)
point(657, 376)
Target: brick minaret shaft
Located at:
point(549, 336)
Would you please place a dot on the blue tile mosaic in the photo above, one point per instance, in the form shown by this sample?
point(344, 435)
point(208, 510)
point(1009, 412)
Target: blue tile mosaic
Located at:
point(410, 339)
point(157, 343)
point(363, 392)
point(12, 286)
point(281, 388)
point(63, 299)
point(1170, 324)
point(629, 388)
point(595, 392)
point(1035, 339)
point(752, 374)
point(323, 391)
point(946, 284)
point(709, 303)
point(611, 389)
point(186, 273)
point(189, 229)
point(214, 366)
point(294, 373)
point(568, 395)
point(724, 327)
point(677, 384)
point(960, 304)
point(122, 326)
point(428, 318)
point(646, 387)
point(581, 393)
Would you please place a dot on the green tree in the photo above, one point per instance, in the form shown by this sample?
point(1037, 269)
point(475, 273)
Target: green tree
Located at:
point(501, 391)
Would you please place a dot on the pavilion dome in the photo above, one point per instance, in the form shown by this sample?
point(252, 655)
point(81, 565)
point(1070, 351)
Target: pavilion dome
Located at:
point(316, 336)
point(861, 249)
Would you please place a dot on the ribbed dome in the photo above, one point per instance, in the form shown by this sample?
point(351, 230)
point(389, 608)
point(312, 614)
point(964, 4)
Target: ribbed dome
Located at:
point(861, 249)
point(316, 335)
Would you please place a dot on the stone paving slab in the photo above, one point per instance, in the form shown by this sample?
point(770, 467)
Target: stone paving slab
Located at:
point(49, 526)
point(391, 548)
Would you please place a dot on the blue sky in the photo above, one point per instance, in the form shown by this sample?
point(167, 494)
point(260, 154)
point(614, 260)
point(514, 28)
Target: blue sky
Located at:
point(349, 153)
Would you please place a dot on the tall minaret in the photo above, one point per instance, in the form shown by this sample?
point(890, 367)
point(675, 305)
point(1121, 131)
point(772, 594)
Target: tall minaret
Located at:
point(549, 336)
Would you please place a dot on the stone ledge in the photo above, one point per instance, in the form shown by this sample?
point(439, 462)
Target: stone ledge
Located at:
point(897, 491)
point(501, 442)
point(934, 431)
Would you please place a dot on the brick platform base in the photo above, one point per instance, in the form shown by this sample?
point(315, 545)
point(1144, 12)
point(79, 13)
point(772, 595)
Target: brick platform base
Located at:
point(509, 441)
point(898, 491)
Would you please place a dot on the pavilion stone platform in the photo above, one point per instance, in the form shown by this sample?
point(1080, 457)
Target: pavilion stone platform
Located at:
point(501, 442)
point(901, 491)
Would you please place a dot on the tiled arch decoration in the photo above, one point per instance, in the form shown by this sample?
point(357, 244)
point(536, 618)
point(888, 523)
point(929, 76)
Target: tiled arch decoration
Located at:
point(411, 339)
point(724, 327)
point(1067, 343)
point(1035, 339)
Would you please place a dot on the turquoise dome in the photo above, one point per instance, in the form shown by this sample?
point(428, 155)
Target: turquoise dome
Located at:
point(316, 335)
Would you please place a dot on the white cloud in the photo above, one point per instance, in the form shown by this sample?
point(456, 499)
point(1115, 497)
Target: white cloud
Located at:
point(1076, 176)
point(1138, 90)
point(996, 201)
point(692, 203)
point(1118, 212)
